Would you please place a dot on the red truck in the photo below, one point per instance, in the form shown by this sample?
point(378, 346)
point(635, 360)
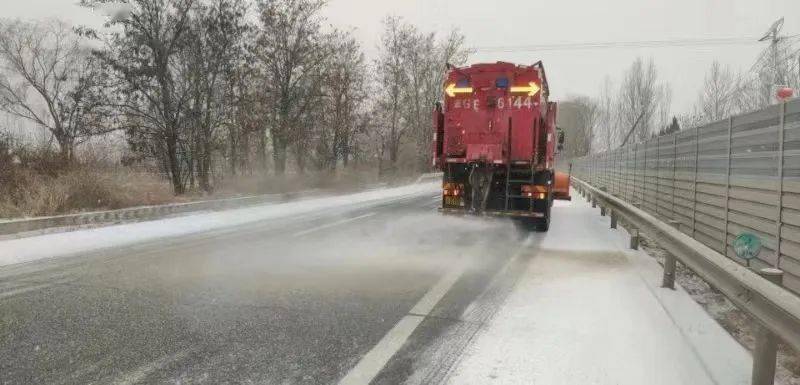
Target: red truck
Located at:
point(495, 141)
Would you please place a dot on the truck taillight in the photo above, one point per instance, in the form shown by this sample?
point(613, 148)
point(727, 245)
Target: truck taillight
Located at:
point(534, 192)
point(453, 189)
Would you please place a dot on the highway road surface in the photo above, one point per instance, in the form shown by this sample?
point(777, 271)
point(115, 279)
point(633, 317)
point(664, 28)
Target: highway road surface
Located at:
point(363, 289)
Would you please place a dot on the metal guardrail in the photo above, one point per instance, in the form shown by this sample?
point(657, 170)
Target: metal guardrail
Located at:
point(775, 308)
point(22, 225)
point(430, 177)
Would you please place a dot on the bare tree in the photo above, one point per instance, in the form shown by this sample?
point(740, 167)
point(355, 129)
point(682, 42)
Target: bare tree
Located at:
point(144, 53)
point(579, 116)
point(290, 53)
point(246, 126)
point(209, 63)
point(426, 64)
point(421, 91)
point(51, 80)
point(643, 101)
point(719, 96)
point(608, 131)
point(392, 77)
point(411, 71)
point(690, 120)
point(343, 94)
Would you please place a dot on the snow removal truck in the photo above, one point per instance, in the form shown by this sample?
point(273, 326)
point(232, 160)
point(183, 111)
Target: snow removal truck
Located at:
point(495, 141)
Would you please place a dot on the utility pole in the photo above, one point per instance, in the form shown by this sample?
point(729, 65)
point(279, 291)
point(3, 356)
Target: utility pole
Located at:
point(774, 39)
point(636, 123)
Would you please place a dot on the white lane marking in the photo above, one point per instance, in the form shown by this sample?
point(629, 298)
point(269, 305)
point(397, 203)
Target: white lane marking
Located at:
point(469, 313)
point(139, 374)
point(332, 224)
point(371, 364)
point(435, 294)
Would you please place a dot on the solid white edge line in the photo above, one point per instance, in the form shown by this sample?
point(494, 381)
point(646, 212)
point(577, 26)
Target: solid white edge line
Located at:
point(435, 294)
point(373, 362)
point(332, 224)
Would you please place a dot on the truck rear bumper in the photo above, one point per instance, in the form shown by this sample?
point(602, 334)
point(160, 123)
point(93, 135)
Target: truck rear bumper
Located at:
point(490, 213)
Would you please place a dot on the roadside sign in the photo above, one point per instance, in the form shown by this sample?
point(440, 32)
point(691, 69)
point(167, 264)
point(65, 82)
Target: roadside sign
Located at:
point(747, 246)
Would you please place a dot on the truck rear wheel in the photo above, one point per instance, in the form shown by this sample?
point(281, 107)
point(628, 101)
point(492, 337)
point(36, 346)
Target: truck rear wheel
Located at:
point(539, 225)
point(543, 224)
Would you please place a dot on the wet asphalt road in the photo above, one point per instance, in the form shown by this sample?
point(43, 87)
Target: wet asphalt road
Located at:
point(295, 301)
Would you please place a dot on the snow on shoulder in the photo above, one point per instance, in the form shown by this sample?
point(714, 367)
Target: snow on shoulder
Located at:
point(589, 311)
point(71, 243)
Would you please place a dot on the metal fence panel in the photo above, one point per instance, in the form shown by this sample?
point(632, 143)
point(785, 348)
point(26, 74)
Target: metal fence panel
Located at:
point(717, 181)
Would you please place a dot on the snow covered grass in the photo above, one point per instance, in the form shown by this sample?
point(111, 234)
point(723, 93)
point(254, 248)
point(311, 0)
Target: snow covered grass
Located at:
point(65, 244)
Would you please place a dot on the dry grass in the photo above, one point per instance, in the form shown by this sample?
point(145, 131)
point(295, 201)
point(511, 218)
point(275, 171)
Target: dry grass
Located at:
point(43, 189)
point(37, 182)
point(341, 181)
point(28, 193)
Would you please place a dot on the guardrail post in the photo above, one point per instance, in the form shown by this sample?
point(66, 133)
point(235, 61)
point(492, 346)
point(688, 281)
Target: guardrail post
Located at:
point(669, 272)
point(594, 202)
point(765, 353)
point(602, 208)
point(670, 264)
point(613, 219)
point(634, 239)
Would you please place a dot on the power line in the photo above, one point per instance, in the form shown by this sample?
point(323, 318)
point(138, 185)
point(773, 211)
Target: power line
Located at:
point(621, 44)
point(764, 55)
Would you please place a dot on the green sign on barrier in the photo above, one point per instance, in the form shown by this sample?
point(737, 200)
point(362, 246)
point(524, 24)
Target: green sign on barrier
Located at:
point(747, 246)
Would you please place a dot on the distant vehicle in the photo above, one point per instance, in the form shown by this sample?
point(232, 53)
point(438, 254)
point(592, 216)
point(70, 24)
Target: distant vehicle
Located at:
point(496, 140)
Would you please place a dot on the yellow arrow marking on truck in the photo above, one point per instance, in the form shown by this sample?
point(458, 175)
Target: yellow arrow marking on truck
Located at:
point(452, 90)
point(532, 89)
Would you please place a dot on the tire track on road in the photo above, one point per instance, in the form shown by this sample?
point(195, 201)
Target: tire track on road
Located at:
point(450, 347)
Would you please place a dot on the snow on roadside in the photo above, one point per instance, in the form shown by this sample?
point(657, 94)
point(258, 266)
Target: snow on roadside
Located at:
point(65, 244)
point(740, 325)
point(589, 310)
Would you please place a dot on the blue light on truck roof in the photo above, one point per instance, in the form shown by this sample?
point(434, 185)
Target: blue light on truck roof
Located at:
point(501, 83)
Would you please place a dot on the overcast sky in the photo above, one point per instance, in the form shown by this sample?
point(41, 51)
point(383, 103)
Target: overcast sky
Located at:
point(490, 23)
